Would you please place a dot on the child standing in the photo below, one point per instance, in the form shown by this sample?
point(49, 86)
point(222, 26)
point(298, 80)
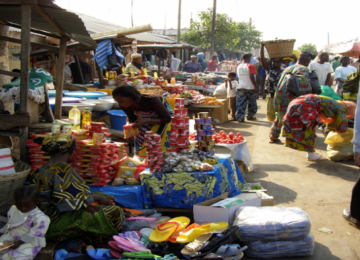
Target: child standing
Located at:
point(231, 85)
point(26, 227)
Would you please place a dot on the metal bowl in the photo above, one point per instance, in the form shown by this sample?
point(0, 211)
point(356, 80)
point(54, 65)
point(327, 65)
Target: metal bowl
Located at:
point(110, 98)
point(101, 105)
point(66, 107)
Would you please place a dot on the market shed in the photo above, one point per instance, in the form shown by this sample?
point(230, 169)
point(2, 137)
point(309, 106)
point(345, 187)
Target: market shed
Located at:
point(45, 18)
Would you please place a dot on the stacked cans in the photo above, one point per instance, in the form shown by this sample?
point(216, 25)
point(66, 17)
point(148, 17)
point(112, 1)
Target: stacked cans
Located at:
point(179, 135)
point(204, 133)
point(154, 151)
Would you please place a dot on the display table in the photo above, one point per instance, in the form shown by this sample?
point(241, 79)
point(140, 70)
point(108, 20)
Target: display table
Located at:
point(129, 196)
point(183, 190)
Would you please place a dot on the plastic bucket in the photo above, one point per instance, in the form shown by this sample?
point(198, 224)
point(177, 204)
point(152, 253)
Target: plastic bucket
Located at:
point(117, 119)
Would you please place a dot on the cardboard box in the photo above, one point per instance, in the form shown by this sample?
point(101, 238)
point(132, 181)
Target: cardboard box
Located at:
point(251, 196)
point(203, 212)
point(221, 114)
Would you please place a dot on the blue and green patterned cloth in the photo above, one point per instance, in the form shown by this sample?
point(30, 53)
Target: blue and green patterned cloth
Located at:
point(183, 190)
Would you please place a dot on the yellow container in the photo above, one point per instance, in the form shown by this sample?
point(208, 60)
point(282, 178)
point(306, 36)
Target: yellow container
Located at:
point(171, 103)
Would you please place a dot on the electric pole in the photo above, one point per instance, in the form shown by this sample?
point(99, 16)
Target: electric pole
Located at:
point(213, 29)
point(132, 21)
point(250, 23)
point(328, 38)
point(179, 20)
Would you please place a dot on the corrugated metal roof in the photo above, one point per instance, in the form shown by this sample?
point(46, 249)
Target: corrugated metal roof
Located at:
point(67, 21)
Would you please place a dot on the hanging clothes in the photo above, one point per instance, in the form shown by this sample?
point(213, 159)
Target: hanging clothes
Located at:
point(103, 50)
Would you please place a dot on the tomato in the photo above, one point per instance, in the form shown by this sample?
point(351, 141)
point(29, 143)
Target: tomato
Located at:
point(241, 139)
point(231, 135)
point(238, 134)
point(237, 140)
point(222, 132)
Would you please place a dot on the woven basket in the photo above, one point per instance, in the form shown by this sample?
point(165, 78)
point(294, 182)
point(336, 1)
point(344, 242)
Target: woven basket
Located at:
point(280, 48)
point(9, 182)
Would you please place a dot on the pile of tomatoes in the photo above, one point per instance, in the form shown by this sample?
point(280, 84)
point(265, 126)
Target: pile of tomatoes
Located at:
point(231, 138)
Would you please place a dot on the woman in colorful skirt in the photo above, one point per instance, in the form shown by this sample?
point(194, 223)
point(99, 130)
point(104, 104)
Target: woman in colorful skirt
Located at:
point(66, 198)
point(302, 116)
point(148, 112)
point(283, 97)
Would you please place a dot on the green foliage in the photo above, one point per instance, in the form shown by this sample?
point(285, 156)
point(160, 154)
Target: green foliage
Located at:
point(229, 35)
point(309, 47)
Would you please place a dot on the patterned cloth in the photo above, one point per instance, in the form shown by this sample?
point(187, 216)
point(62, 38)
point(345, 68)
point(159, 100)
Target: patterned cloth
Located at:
point(58, 143)
point(64, 196)
point(162, 130)
point(103, 50)
point(192, 67)
point(28, 227)
point(245, 98)
point(183, 190)
point(272, 80)
point(283, 96)
point(302, 117)
point(335, 64)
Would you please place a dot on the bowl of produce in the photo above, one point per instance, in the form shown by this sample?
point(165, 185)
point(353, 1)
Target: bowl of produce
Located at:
point(101, 105)
point(66, 107)
point(110, 98)
point(88, 94)
point(52, 92)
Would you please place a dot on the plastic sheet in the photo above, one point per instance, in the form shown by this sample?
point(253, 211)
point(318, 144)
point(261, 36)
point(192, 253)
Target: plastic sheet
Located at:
point(281, 249)
point(271, 223)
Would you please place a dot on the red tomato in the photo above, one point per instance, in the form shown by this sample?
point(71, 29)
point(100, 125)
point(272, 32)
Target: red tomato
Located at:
point(231, 135)
point(236, 140)
point(222, 132)
point(241, 139)
point(238, 135)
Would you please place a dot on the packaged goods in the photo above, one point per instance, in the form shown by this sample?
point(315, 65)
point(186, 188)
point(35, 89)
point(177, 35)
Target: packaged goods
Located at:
point(86, 119)
point(67, 129)
point(55, 128)
point(74, 118)
point(130, 131)
point(272, 224)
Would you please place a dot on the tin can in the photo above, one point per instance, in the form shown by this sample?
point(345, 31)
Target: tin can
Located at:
point(173, 123)
point(148, 138)
point(199, 121)
point(206, 127)
point(208, 148)
point(180, 123)
point(154, 150)
point(198, 138)
point(203, 114)
point(187, 120)
point(159, 154)
point(185, 132)
point(179, 103)
point(172, 149)
point(181, 142)
point(149, 133)
point(173, 141)
point(207, 120)
point(55, 128)
point(184, 112)
point(157, 138)
point(149, 154)
point(212, 143)
point(157, 145)
point(198, 127)
point(177, 113)
point(67, 129)
point(200, 133)
point(208, 138)
point(174, 133)
point(201, 143)
point(148, 147)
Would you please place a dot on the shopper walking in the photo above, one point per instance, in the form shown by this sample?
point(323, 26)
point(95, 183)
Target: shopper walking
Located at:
point(246, 91)
point(323, 69)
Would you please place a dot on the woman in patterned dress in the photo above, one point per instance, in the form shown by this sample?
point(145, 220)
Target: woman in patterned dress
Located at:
point(66, 198)
point(302, 116)
point(283, 97)
point(148, 112)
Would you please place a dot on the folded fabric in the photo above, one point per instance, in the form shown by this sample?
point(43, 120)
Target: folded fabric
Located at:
point(271, 223)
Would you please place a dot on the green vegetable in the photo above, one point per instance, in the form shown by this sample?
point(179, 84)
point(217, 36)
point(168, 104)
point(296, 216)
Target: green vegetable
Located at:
point(186, 95)
point(256, 187)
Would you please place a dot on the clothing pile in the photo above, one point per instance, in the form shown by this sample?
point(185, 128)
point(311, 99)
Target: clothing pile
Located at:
point(274, 232)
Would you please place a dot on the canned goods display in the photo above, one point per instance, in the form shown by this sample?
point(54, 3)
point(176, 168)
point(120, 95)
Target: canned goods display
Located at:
point(207, 120)
point(198, 127)
point(203, 115)
point(206, 127)
point(179, 103)
point(200, 132)
point(199, 121)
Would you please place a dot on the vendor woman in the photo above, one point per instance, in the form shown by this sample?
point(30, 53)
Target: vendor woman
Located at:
point(135, 63)
point(148, 112)
point(66, 198)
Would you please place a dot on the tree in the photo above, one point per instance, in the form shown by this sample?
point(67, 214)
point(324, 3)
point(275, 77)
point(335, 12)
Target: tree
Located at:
point(309, 47)
point(229, 35)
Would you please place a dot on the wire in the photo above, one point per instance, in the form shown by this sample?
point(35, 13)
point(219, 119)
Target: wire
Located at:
point(238, 8)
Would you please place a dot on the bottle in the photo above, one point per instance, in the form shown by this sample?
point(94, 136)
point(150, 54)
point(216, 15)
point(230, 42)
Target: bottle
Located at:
point(145, 72)
point(142, 72)
point(132, 73)
point(74, 118)
point(123, 70)
point(86, 119)
point(166, 83)
point(173, 81)
point(107, 75)
point(155, 76)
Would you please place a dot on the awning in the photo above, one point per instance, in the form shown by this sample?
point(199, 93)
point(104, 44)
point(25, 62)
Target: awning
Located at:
point(349, 48)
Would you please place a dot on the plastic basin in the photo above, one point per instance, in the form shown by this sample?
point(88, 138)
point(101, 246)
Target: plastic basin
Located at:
point(100, 105)
point(52, 92)
point(110, 98)
point(66, 107)
point(117, 119)
point(88, 94)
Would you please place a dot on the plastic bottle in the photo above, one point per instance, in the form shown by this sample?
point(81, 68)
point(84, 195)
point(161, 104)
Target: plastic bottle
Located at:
point(173, 81)
point(145, 72)
point(74, 118)
point(107, 75)
point(123, 70)
point(132, 73)
point(86, 119)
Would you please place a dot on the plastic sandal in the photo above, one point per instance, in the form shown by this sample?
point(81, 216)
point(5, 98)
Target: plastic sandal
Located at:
point(115, 254)
point(145, 233)
point(196, 245)
point(164, 231)
point(99, 254)
point(141, 255)
point(196, 232)
point(236, 257)
point(127, 245)
point(114, 246)
point(213, 256)
point(176, 235)
point(230, 250)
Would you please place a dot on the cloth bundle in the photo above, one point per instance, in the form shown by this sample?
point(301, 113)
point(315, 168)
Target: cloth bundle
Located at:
point(339, 145)
point(275, 232)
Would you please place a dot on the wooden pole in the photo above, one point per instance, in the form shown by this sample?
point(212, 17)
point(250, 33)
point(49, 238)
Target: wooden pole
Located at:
point(60, 77)
point(80, 71)
point(100, 75)
point(179, 23)
point(213, 29)
point(24, 82)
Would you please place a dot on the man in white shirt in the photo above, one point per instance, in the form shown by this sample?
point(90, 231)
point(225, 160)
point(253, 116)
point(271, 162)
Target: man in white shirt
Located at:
point(246, 90)
point(323, 69)
point(342, 72)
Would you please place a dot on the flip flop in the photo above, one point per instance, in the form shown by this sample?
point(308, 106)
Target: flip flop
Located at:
point(230, 250)
point(127, 245)
point(141, 255)
point(115, 254)
point(145, 233)
point(196, 232)
point(140, 218)
point(130, 234)
point(213, 256)
point(165, 230)
point(196, 245)
point(236, 257)
point(99, 254)
point(114, 246)
point(176, 235)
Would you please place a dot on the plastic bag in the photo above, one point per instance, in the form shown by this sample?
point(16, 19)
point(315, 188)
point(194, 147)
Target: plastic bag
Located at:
point(340, 152)
point(351, 108)
point(339, 138)
point(271, 223)
point(281, 249)
point(270, 112)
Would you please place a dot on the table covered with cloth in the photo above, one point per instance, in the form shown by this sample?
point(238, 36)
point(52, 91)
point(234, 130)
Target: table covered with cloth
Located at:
point(183, 190)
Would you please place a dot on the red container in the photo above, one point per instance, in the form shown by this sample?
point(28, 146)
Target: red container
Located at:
point(173, 123)
point(180, 123)
point(148, 138)
point(148, 147)
point(179, 102)
point(159, 154)
point(184, 112)
point(184, 132)
point(174, 133)
point(157, 138)
point(173, 141)
point(181, 142)
point(177, 113)
point(149, 133)
point(157, 145)
point(187, 122)
point(171, 149)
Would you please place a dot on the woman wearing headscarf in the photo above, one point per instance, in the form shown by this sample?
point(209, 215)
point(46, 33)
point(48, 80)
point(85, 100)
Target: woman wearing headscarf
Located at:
point(135, 64)
point(351, 84)
point(302, 116)
point(192, 66)
point(66, 198)
point(283, 96)
point(201, 60)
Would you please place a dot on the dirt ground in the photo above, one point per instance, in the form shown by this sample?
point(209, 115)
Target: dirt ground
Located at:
point(321, 189)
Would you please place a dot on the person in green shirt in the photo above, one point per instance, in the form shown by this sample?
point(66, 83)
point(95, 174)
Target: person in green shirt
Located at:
point(336, 63)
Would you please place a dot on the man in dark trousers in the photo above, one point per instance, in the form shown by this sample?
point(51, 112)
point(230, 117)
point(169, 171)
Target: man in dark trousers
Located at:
point(75, 72)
